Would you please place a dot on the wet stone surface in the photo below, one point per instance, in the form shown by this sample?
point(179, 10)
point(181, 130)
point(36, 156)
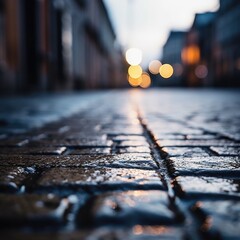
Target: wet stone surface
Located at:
point(184, 152)
point(157, 164)
point(11, 178)
point(31, 209)
point(137, 232)
point(197, 143)
point(205, 165)
point(101, 178)
point(226, 151)
point(191, 186)
point(89, 151)
point(219, 215)
point(129, 208)
point(129, 160)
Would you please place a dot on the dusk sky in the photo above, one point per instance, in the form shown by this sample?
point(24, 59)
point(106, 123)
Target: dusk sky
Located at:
point(145, 24)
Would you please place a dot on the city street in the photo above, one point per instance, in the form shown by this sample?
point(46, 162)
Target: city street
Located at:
point(131, 164)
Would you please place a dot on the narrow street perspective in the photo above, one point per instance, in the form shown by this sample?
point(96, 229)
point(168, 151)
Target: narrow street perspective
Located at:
point(119, 120)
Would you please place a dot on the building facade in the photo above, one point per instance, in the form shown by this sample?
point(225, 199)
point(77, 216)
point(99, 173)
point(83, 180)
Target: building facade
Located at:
point(48, 45)
point(210, 50)
point(172, 55)
point(198, 51)
point(227, 55)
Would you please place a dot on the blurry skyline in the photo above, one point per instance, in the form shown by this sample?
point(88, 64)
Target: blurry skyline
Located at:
point(145, 24)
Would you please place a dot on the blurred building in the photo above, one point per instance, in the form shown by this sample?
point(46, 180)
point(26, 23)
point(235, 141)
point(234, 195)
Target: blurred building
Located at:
point(227, 53)
point(172, 55)
point(210, 50)
point(198, 52)
point(57, 45)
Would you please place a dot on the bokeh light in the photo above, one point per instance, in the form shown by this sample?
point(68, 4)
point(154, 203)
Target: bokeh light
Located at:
point(135, 71)
point(154, 66)
point(146, 80)
point(134, 82)
point(134, 56)
point(201, 71)
point(166, 70)
point(191, 55)
point(178, 69)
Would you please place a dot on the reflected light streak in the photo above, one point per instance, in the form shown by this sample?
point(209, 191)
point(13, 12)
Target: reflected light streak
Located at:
point(154, 66)
point(133, 56)
point(166, 70)
point(135, 71)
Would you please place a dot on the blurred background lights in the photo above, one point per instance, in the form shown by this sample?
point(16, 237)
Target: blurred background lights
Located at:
point(191, 55)
point(178, 69)
point(134, 56)
point(166, 70)
point(201, 71)
point(154, 66)
point(135, 71)
point(146, 80)
point(134, 82)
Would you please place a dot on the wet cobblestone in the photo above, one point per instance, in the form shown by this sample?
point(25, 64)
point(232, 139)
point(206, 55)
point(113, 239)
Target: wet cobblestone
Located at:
point(136, 165)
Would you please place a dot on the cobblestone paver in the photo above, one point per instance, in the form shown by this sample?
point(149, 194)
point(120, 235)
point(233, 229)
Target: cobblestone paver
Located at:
point(158, 164)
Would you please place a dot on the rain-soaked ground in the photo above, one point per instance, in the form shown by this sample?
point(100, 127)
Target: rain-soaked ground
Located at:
point(155, 164)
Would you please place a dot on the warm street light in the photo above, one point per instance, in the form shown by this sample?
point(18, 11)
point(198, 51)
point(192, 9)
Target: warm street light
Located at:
point(134, 56)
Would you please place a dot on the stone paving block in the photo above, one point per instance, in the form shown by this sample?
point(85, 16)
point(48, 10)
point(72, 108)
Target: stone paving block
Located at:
point(31, 209)
point(226, 151)
point(101, 178)
point(196, 143)
point(48, 150)
point(133, 144)
point(124, 131)
point(201, 137)
point(211, 166)
point(133, 150)
point(191, 185)
point(221, 215)
point(137, 232)
point(162, 136)
point(14, 142)
point(173, 129)
point(34, 150)
point(89, 151)
point(128, 138)
point(184, 152)
point(84, 142)
point(11, 178)
point(82, 135)
point(128, 160)
point(128, 208)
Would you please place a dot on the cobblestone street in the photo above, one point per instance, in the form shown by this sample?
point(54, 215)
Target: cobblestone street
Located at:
point(154, 164)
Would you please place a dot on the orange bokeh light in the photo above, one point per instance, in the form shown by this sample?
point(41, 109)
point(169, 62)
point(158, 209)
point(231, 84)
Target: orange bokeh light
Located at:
point(134, 82)
point(146, 80)
point(191, 54)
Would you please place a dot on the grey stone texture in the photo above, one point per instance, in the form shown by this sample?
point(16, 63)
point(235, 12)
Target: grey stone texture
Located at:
point(156, 164)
